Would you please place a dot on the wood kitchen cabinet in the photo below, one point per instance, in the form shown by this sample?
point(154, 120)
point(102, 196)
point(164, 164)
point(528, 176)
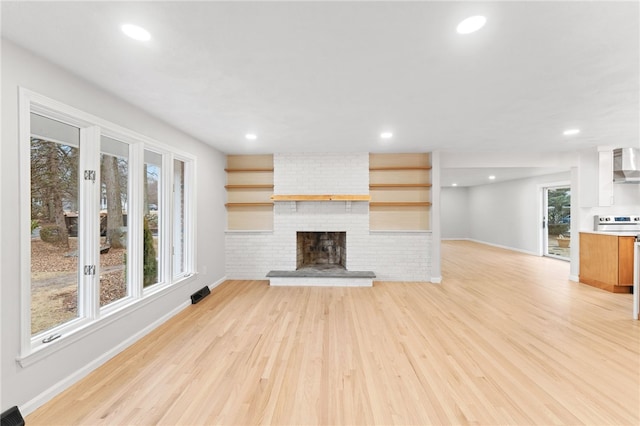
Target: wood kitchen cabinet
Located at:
point(606, 261)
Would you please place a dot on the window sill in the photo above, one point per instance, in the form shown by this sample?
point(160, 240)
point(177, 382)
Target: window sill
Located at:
point(119, 311)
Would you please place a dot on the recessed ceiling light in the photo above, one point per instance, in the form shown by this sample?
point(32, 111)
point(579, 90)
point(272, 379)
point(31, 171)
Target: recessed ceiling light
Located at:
point(454, 184)
point(136, 32)
point(386, 135)
point(492, 177)
point(571, 132)
point(471, 24)
point(251, 136)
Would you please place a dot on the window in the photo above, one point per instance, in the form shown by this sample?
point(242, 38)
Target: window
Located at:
point(114, 194)
point(153, 220)
point(54, 149)
point(179, 218)
point(107, 223)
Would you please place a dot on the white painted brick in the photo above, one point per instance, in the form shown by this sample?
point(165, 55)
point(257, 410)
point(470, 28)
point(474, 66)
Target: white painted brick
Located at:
point(393, 256)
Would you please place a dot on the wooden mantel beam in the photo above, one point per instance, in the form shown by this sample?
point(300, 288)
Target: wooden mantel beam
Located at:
point(322, 197)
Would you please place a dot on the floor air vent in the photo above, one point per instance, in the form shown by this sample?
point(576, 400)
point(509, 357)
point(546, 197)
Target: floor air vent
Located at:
point(12, 417)
point(197, 296)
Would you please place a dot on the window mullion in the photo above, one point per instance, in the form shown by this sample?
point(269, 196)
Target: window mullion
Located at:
point(135, 213)
point(89, 223)
point(166, 252)
point(190, 216)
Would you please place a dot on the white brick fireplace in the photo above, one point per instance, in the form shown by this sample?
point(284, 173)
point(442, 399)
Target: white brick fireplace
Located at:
point(391, 255)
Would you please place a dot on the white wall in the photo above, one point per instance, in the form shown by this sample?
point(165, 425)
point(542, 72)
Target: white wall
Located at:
point(454, 213)
point(30, 386)
point(508, 213)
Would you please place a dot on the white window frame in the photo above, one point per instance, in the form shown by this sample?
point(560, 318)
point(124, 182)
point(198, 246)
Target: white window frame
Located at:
point(91, 316)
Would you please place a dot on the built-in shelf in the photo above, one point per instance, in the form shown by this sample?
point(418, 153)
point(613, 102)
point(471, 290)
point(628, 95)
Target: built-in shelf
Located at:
point(400, 185)
point(249, 185)
point(267, 186)
point(398, 204)
point(401, 168)
point(329, 197)
point(258, 169)
point(247, 204)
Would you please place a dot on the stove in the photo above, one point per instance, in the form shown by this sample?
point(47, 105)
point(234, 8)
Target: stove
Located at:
point(618, 224)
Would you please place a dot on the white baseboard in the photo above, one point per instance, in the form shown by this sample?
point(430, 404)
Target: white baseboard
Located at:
point(574, 278)
point(217, 283)
point(504, 247)
point(54, 390)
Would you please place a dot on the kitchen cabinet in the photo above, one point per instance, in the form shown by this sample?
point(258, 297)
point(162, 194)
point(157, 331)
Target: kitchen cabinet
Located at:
point(596, 178)
point(606, 261)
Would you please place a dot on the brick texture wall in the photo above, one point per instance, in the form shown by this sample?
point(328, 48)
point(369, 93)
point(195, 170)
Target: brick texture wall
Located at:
point(393, 256)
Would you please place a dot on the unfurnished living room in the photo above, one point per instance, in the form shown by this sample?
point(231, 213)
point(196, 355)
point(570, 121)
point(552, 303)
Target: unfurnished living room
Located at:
point(320, 213)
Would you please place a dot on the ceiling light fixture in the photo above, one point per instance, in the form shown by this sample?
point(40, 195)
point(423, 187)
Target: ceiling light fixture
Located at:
point(571, 132)
point(251, 136)
point(454, 184)
point(386, 135)
point(136, 32)
point(471, 24)
point(492, 177)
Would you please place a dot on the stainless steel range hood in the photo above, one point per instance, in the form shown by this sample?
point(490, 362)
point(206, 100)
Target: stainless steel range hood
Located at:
point(626, 165)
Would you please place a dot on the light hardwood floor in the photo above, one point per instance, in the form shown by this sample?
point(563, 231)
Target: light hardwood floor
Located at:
point(505, 339)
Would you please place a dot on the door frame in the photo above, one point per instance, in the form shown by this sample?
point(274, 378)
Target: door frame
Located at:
point(542, 216)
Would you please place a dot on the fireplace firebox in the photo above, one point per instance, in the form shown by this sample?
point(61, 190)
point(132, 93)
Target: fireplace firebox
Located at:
point(322, 250)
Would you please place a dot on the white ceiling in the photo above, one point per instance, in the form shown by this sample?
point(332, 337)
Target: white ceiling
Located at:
point(331, 76)
point(473, 176)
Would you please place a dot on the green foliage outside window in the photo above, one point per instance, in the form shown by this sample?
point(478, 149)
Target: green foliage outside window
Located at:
point(150, 266)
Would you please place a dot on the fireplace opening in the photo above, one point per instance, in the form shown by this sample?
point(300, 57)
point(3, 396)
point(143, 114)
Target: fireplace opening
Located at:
point(321, 250)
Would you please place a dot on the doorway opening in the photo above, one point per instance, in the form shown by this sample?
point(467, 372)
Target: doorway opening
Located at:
point(556, 232)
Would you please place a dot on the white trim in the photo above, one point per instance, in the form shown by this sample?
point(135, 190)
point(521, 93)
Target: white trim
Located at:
point(75, 117)
point(543, 238)
point(79, 374)
point(89, 223)
point(190, 215)
point(505, 247)
point(91, 327)
point(135, 220)
point(217, 283)
point(574, 278)
point(24, 136)
point(166, 220)
point(435, 256)
point(91, 318)
point(436, 280)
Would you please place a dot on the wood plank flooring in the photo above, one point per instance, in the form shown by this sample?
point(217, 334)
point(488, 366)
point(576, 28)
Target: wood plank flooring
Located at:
point(505, 339)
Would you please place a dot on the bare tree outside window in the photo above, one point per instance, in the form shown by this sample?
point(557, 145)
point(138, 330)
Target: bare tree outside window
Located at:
point(54, 219)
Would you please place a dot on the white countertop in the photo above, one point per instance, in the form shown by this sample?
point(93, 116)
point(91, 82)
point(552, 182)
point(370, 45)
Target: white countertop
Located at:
point(617, 234)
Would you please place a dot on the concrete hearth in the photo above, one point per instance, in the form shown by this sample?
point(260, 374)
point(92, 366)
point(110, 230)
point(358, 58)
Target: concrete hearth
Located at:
point(322, 276)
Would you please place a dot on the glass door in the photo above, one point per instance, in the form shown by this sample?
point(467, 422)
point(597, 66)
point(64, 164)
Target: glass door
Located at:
point(557, 222)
